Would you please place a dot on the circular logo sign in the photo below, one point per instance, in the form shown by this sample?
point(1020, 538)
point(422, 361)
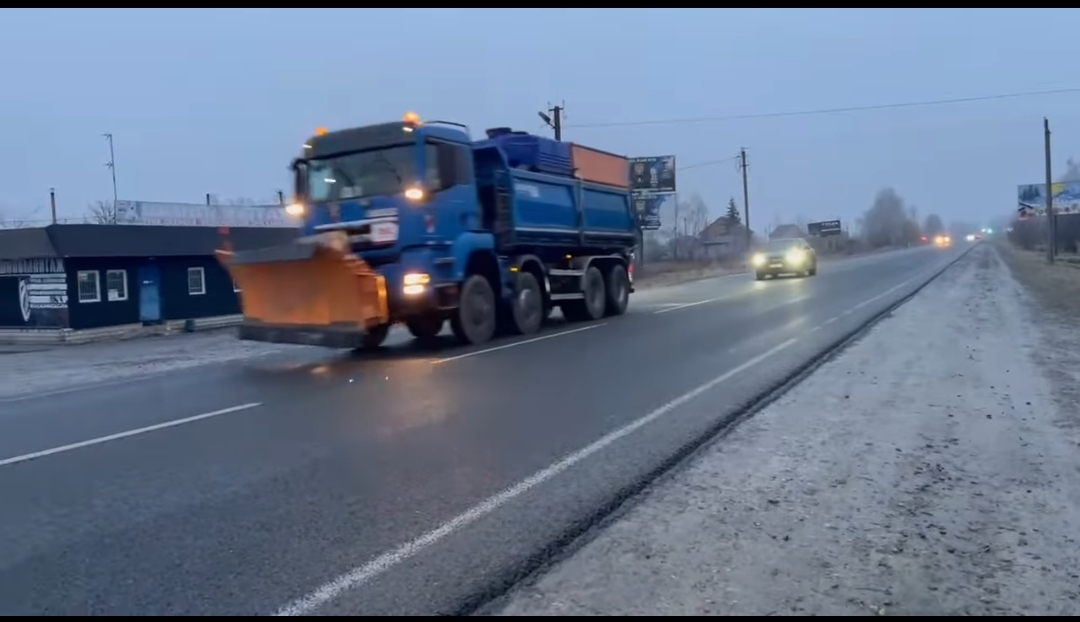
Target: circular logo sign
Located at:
point(24, 298)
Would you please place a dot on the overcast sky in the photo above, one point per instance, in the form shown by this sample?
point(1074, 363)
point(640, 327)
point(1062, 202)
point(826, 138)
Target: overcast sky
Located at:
point(219, 101)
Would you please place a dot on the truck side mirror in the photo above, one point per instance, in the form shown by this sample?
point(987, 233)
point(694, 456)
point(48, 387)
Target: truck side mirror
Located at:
point(299, 168)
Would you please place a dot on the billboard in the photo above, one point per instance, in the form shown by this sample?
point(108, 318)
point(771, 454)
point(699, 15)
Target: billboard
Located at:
point(824, 228)
point(647, 206)
point(199, 215)
point(653, 174)
point(1032, 197)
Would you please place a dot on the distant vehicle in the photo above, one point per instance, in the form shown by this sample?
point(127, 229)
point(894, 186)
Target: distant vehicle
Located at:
point(942, 241)
point(785, 256)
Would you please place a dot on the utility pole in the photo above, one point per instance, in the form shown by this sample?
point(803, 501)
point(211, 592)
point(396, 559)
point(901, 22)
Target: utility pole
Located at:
point(112, 166)
point(554, 117)
point(1051, 224)
point(745, 197)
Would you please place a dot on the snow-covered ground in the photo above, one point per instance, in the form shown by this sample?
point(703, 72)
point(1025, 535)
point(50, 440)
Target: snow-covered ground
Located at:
point(932, 468)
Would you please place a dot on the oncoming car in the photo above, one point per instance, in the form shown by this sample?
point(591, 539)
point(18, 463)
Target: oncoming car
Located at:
point(784, 256)
point(942, 241)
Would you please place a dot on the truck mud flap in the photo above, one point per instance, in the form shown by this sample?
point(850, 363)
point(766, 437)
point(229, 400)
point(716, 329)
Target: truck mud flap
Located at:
point(306, 286)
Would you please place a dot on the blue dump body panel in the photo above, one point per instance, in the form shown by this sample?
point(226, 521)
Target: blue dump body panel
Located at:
point(546, 210)
point(532, 153)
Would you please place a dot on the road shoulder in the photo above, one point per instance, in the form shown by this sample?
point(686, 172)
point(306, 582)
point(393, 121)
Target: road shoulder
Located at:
point(928, 469)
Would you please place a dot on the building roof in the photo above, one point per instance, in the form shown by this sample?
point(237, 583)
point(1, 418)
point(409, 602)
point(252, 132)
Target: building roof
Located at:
point(25, 244)
point(787, 231)
point(132, 240)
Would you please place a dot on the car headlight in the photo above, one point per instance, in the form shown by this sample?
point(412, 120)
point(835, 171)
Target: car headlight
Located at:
point(758, 260)
point(796, 256)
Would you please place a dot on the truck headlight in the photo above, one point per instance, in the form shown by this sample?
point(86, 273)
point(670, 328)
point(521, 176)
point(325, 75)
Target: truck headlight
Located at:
point(414, 283)
point(758, 260)
point(294, 209)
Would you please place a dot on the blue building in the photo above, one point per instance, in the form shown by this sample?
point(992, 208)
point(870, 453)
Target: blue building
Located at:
point(92, 276)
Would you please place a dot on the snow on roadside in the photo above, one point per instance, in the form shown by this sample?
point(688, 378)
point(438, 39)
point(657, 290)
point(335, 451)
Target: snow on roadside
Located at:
point(69, 366)
point(927, 470)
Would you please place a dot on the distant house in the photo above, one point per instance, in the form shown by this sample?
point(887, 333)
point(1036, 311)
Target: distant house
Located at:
point(93, 276)
point(723, 238)
point(787, 231)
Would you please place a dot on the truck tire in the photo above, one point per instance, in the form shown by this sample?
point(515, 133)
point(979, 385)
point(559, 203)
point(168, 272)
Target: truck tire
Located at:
point(591, 307)
point(375, 337)
point(425, 328)
point(617, 291)
point(475, 319)
point(527, 307)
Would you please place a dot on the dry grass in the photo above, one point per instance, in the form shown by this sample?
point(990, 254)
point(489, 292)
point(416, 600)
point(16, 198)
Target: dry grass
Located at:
point(1056, 286)
point(1056, 290)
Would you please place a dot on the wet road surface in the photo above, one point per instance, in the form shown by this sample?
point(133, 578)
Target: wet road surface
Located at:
point(409, 482)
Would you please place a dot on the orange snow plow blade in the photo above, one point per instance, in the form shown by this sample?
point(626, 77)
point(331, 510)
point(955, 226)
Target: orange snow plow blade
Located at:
point(306, 293)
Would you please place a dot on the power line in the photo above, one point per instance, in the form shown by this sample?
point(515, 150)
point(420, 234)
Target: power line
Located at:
point(709, 163)
point(823, 111)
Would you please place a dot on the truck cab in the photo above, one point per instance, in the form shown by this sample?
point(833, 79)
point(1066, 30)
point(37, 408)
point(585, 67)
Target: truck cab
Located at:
point(400, 193)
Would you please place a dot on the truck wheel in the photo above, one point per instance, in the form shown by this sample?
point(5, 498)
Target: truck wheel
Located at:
point(617, 291)
point(595, 293)
point(591, 307)
point(475, 319)
point(375, 337)
point(527, 306)
point(425, 327)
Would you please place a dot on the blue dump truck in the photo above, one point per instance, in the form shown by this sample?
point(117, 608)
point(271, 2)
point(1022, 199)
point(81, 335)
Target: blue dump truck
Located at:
point(416, 223)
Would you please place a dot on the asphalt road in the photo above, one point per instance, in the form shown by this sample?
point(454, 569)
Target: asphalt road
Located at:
point(410, 482)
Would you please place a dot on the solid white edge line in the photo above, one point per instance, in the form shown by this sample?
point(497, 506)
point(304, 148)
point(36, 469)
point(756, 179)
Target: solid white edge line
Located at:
point(362, 574)
point(120, 435)
point(517, 343)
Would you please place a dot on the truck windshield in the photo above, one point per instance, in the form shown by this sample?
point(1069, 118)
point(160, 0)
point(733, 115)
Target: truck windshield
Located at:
point(378, 172)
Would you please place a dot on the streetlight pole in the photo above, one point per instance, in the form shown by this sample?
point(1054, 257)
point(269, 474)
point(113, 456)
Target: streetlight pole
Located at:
point(111, 164)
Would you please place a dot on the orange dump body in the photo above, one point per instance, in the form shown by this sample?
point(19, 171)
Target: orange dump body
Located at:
point(600, 166)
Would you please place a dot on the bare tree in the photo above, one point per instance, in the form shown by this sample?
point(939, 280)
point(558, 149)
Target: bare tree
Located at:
point(1072, 171)
point(888, 222)
point(933, 225)
point(102, 213)
point(697, 216)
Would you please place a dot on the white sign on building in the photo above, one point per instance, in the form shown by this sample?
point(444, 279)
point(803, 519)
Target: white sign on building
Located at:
point(198, 215)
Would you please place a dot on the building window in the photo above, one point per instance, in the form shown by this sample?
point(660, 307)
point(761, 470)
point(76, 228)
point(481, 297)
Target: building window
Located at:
point(89, 286)
point(116, 285)
point(196, 281)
